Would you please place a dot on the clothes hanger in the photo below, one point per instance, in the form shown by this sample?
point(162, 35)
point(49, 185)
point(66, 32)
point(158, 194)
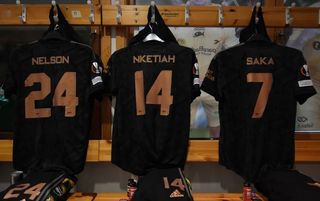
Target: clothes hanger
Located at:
point(152, 36)
point(159, 28)
point(55, 32)
point(259, 31)
point(255, 27)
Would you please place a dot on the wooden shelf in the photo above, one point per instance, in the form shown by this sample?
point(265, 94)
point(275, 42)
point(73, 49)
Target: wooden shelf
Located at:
point(135, 15)
point(6, 151)
point(38, 14)
point(118, 196)
point(199, 151)
point(234, 16)
point(207, 151)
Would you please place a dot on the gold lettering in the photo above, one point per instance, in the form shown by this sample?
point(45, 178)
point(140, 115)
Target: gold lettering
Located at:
point(59, 60)
point(260, 61)
point(66, 60)
point(154, 59)
point(34, 61)
point(42, 60)
point(50, 60)
point(158, 58)
point(135, 59)
point(142, 59)
point(164, 59)
point(271, 62)
point(45, 61)
point(172, 58)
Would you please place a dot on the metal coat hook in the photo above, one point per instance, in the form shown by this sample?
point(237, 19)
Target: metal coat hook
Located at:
point(153, 12)
point(319, 17)
point(91, 11)
point(288, 17)
point(220, 13)
point(55, 11)
point(187, 13)
point(258, 5)
point(53, 3)
point(23, 16)
point(119, 12)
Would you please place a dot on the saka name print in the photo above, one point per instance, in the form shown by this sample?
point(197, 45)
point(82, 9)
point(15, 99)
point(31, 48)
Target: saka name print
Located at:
point(260, 61)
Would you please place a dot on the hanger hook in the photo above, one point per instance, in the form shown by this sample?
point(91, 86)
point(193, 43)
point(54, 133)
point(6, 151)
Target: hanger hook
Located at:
point(258, 5)
point(119, 12)
point(91, 11)
point(153, 15)
point(221, 13)
point(55, 11)
point(23, 16)
point(288, 16)
point(187, 12)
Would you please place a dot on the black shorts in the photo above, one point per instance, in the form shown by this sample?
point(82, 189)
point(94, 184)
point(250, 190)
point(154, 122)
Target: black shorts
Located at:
point(163, 185)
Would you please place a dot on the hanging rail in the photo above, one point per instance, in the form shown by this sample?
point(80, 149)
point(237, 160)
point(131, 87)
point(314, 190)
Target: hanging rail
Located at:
point(234, 16)
point(199, 151)
point(38, 14)
point(133, 15)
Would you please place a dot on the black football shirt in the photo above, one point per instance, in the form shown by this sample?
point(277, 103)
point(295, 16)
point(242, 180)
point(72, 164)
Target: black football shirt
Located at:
point(41, 185)
point(52, 80)
point(257, 84)
point(154, 84)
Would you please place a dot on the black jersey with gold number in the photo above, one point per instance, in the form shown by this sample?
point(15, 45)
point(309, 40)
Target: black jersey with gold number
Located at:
point(154, 84)
point(257, 85)
point(52, 80)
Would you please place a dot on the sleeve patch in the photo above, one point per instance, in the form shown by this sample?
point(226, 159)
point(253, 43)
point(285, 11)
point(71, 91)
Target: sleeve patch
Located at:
point(95, 68)
point(96, 80)
point(196, 81)
point(304, 70)
point(196, 69)
point(305, 83)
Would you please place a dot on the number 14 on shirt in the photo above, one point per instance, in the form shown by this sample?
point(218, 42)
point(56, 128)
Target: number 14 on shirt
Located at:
point(161, 84)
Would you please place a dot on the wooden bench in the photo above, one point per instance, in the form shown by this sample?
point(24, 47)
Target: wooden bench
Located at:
point(118, 196)
point(199, 151)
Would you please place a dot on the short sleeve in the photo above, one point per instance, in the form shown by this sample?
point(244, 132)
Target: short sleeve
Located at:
point(195, 77)
point(304, 86)
point(9, 84)
point(210, 82)
point(96, 74)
